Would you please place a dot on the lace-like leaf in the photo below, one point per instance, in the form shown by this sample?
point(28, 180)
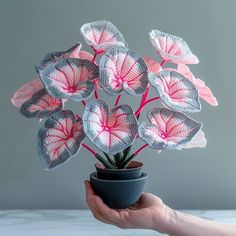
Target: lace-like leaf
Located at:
point(121, 70)
point(168, 129)
point(176, 91)
point(111, 130)
point(41, 105)
point(26, 91)
point(60, 138)
point(172, 48)
point(54, 57)
point(101, 35)
point(152, 65)
point(33, 100)
point(70, 78)
point(204, 92)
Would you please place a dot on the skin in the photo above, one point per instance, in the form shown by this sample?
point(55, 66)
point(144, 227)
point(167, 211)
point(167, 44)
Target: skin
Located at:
point(151, 213)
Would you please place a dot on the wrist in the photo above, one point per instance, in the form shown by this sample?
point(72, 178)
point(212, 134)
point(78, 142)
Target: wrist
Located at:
point(164, 224)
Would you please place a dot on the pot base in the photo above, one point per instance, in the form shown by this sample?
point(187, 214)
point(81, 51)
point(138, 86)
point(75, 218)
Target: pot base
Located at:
point(119, 194)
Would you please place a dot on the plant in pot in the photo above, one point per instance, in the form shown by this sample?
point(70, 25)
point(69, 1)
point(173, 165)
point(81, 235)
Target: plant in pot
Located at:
point(79, 76)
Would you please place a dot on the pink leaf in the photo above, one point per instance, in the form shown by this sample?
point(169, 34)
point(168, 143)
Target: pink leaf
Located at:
point(152, 65)
point(26, 91)
point(198, 140)
point(84, 55)
point(33, 100)
point(172, 48)
point(111, 130)
point(54, 57)
point(175, 91)
point(41, 105)
point(101, 35)
point(70, 78)
point(168, 130)
point(204, 91)
point(121, 70)
point(60, 138)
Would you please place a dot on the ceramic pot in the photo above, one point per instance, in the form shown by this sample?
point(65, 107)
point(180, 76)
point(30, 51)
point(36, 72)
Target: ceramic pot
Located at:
point(119, 188)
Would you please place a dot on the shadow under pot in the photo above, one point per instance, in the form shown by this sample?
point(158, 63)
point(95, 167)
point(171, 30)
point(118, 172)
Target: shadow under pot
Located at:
point(119, 188)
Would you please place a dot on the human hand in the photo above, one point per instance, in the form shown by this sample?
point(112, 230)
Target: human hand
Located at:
point(148, 213)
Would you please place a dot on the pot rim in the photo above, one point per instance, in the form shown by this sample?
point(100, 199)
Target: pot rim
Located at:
point(101, 167)
point(94, 176)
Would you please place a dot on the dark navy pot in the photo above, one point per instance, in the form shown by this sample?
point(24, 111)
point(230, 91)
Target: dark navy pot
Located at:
point(119, 190)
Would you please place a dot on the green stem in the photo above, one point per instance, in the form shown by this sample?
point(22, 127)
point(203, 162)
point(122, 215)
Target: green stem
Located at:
point(110, 160)
point(126, 152)
point(118, 159)
point(104, 162)
point(127, 161)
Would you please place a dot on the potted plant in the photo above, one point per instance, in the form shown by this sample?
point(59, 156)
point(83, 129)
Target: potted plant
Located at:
point(77, 75)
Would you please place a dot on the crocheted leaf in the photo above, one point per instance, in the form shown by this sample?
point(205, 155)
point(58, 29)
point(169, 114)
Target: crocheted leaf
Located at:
point(70, 78)
point(84, 55)
point(152, 65)
point(176, 91)
point(123, 69)
point(204, 92)
point(111, 130)
point(101, 35)
point(60, 138)
point(198, 140)
point(172, 48)
point(54, 57)
point(41, 105)
point(26, 91)
point(168, 130)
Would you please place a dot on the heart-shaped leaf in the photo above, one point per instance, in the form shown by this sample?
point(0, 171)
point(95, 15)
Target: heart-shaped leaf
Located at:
point(204, 92)
point(172, 48)
point(111, 130)
point(123, 69)
point(54, 57)
point(60, 138)
point(168, 129)
point(41, 105)
point(176, 91)
point(25, 92)
point(101, 35)
point(33, 100)
point(70, 78)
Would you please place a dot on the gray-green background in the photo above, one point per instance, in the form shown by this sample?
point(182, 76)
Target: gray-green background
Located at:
point(197, 178)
